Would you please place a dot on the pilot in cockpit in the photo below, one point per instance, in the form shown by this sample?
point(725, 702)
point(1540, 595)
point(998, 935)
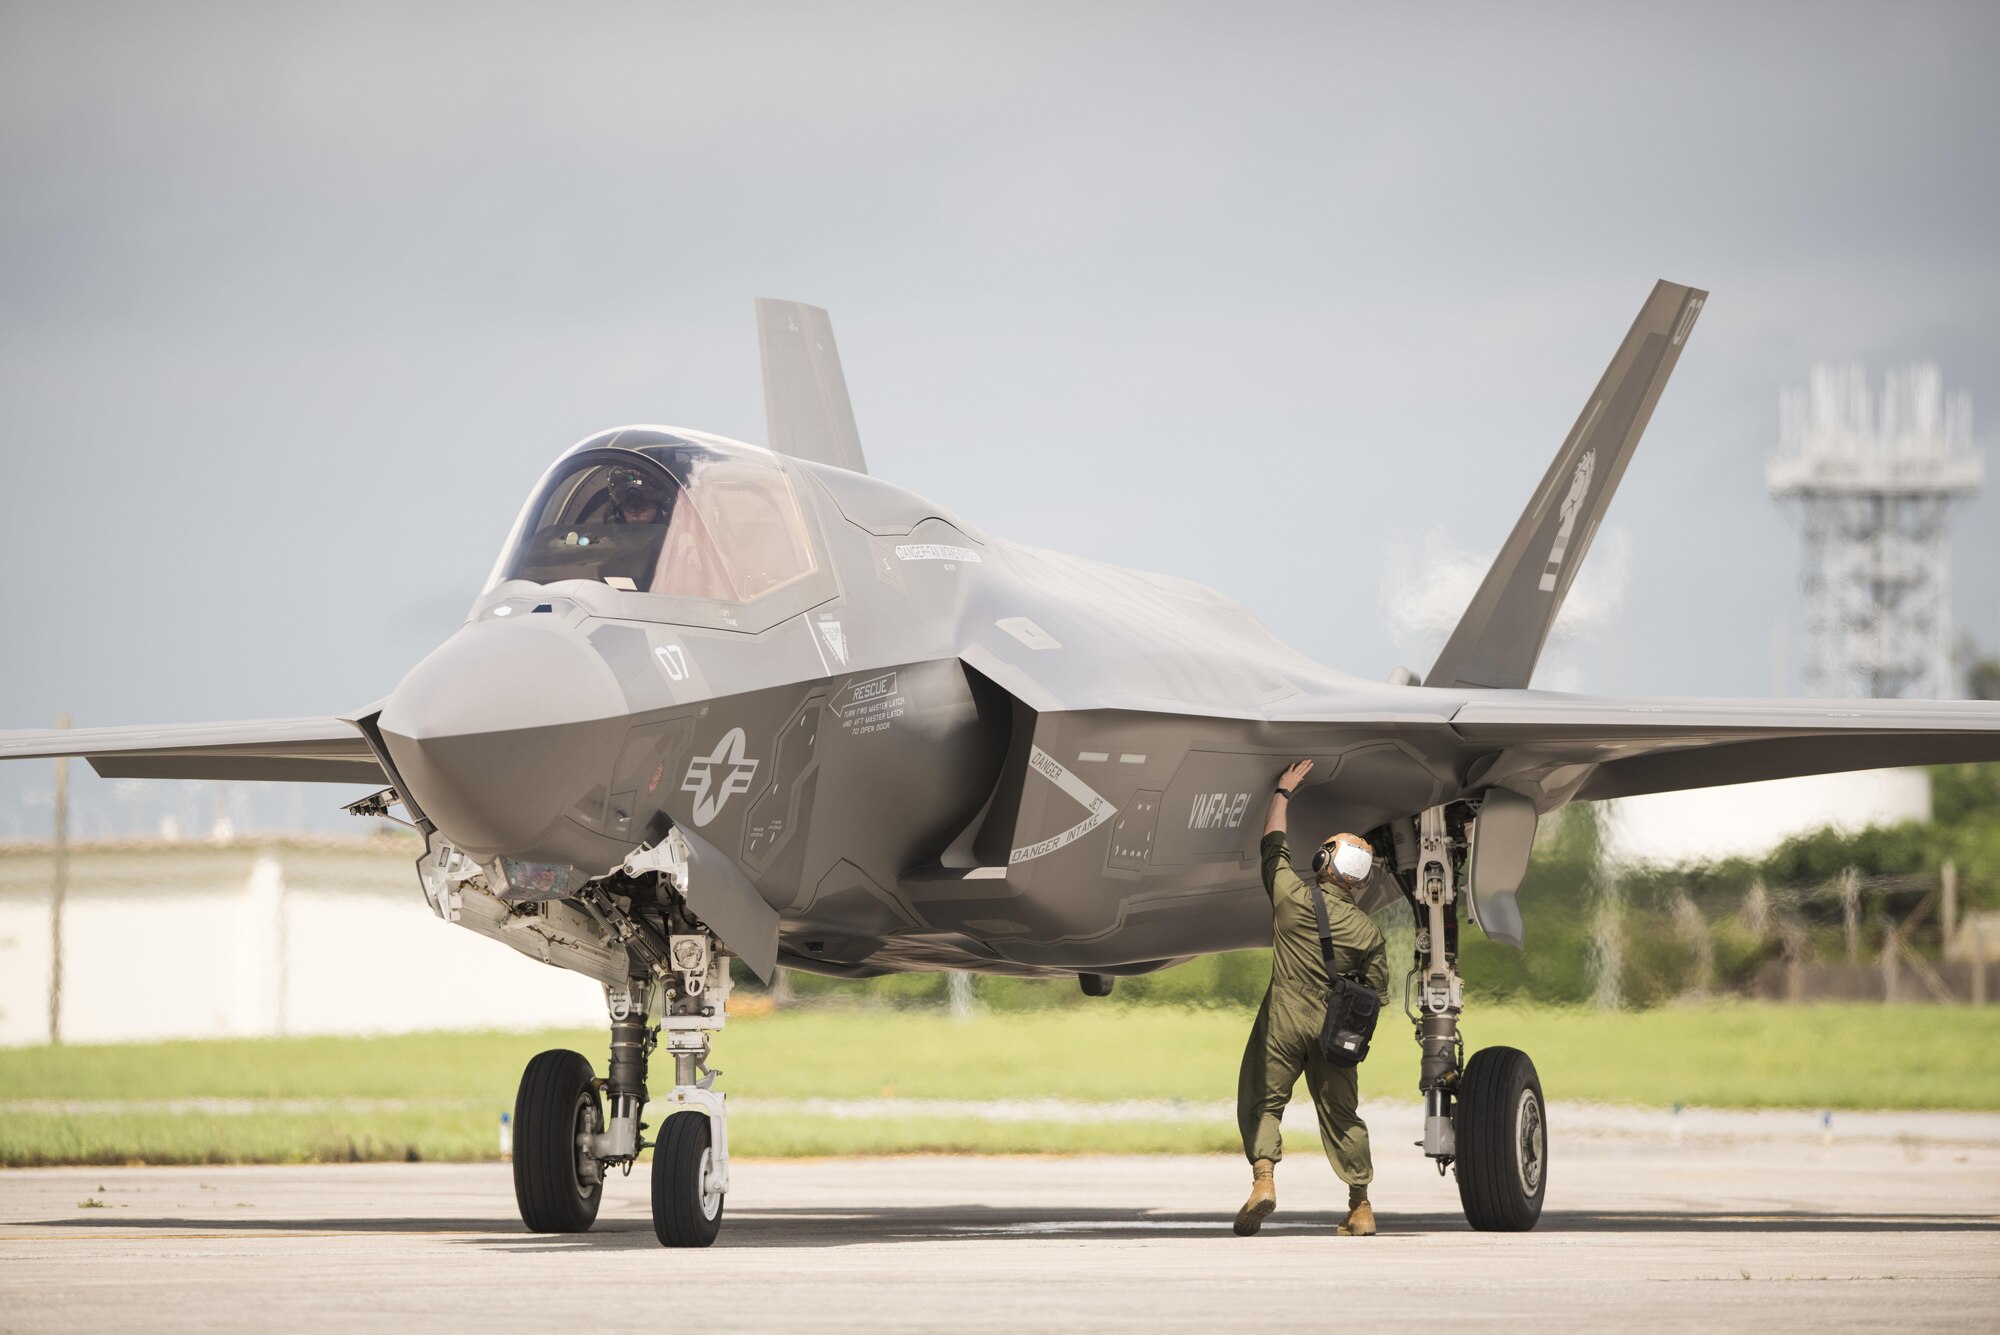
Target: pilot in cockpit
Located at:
point(636, 498)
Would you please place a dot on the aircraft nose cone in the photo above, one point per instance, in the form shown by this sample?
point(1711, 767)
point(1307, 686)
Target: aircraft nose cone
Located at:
point(504, 728)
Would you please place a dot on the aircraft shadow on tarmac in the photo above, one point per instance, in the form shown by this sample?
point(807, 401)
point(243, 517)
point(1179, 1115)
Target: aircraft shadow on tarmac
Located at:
point(804, 1227)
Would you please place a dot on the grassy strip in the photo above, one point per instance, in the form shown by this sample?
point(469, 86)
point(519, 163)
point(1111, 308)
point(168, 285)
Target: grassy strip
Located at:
point(1103, 1054)
point(1745, 1055)
point(1735, 1055)
point(36, 1139)
point(1740, 1055)
point(41, 1139)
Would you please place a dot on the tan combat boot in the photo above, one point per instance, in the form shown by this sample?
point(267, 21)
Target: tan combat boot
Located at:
point(1360, 1222)
point(1263, 1198)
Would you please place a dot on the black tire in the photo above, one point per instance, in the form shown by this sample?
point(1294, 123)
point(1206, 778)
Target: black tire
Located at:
point(556, 1104)
point(1502, 1133)
point(682, 1215)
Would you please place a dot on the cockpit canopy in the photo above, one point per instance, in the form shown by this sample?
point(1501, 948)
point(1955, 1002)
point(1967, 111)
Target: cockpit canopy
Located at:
point(664, 514)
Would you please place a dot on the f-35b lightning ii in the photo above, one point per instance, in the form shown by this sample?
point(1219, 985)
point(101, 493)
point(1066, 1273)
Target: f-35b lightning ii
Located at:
point(720, 700)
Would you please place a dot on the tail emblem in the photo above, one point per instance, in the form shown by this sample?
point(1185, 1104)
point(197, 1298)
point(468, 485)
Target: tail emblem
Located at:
point(1572, 506)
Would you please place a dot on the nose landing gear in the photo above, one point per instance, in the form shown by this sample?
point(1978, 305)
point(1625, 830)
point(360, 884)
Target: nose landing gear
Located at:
point(564, 1141)
point(1485, 1118)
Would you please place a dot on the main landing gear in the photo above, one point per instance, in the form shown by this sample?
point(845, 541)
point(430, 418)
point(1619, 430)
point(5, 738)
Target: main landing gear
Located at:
point(1484, 1118)
point(571, 1128)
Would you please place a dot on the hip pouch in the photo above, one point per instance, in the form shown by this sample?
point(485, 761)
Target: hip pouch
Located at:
point(1351, 1011)
point(1352, 1008)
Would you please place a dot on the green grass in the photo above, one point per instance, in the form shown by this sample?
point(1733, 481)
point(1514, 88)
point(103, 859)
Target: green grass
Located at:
point(454, 1134)
point(1746, 1055)
point(451, 1088)
point(447, 1132)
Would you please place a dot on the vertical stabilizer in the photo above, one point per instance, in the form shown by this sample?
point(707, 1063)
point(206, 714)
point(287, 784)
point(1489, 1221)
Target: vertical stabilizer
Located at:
point(1498, 640)
point(806, 411)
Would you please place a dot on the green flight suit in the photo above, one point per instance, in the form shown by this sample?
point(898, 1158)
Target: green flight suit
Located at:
point(1285, 1040)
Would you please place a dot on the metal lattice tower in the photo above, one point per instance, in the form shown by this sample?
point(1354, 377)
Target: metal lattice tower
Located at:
point(1874, 487)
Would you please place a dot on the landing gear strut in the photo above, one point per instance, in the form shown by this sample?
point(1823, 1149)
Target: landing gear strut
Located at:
point(1484, 1118)
point(571, 1129)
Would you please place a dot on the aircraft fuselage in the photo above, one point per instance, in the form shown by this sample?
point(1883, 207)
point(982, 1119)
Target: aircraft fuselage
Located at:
point(955, 752)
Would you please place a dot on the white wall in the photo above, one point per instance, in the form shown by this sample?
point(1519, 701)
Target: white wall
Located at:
point(198, 942)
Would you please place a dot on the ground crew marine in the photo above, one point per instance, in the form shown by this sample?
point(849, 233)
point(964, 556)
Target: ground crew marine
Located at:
point(1284, 1043)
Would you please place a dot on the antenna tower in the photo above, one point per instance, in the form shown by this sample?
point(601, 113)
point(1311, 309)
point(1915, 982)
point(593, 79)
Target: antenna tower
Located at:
point(1874, 485)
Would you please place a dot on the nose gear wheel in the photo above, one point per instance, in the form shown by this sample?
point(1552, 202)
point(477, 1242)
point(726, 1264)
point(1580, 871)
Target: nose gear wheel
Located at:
point(687, 1206)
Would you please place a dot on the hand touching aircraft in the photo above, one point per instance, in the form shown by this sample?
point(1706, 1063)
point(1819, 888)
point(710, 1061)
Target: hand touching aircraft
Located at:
point(717, 700)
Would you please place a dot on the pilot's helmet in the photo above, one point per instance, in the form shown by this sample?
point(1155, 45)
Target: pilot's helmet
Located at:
point(1345, 860)
point(633, 490)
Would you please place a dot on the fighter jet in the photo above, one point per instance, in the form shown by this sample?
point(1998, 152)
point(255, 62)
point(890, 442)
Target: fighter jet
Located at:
point(721, 700)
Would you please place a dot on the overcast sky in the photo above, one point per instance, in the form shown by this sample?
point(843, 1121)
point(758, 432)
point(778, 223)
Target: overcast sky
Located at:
point(1296, 300)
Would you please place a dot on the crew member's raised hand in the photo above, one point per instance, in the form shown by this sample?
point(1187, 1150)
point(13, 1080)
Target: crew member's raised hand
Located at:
point(1274, 812)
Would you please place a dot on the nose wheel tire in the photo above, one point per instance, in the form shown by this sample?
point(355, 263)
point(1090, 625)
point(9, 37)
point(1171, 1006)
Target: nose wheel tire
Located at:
point(687, 1210)
point(558, 1184)
point(1500, 1126)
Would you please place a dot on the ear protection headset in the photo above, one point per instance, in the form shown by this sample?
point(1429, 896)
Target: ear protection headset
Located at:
point(1347, 857)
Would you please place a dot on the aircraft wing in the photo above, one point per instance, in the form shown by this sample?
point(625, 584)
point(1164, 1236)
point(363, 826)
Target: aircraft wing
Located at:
point(295, 750)
point(1583, 748)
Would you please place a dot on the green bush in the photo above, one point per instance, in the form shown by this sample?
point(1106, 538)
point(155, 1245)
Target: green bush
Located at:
point(1739, 952)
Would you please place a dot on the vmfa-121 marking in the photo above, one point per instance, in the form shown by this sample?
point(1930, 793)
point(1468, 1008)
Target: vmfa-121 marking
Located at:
point(724, 699)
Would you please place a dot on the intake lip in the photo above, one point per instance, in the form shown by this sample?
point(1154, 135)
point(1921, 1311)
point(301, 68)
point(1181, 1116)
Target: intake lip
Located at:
point(502, 729)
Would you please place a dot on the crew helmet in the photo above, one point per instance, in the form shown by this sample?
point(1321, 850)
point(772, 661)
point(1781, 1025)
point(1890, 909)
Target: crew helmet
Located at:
point(632, 487)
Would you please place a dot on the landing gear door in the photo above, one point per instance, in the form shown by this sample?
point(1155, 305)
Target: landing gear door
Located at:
point(1503, 837)
point(723, 897)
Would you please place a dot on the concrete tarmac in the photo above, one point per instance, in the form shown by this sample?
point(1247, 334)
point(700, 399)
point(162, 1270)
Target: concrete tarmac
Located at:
point(1711, 1235)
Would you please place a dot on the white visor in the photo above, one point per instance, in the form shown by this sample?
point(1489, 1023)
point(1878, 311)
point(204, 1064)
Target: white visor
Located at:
point(1352, 862)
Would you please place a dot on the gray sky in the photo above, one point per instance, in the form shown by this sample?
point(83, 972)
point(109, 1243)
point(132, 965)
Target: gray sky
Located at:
point(1294, 300)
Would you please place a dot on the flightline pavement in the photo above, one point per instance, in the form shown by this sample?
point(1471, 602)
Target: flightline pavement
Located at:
point(1725, 1232)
